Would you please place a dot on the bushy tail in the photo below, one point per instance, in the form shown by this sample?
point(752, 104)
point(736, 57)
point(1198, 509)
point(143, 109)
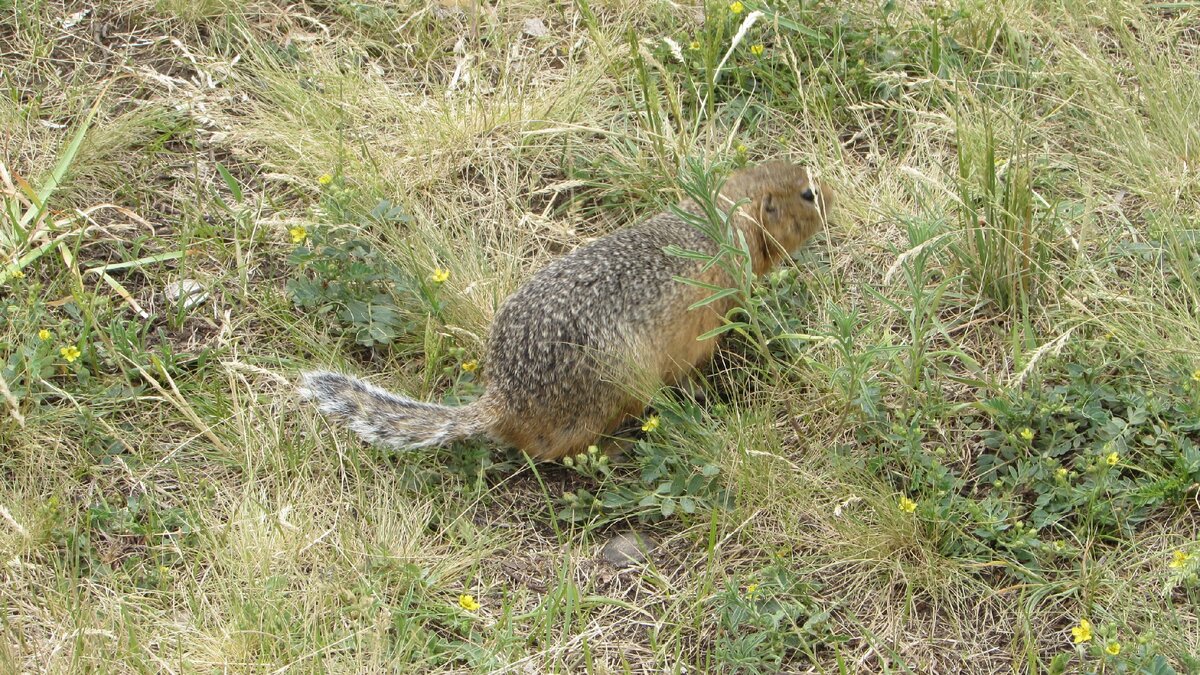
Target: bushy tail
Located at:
point(389, 419)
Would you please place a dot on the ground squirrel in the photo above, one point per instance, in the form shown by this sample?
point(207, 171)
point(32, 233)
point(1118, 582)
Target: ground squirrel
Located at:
point(576, 351)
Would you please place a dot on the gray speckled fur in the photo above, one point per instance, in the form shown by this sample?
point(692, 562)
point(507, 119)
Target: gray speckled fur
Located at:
point(602, 299)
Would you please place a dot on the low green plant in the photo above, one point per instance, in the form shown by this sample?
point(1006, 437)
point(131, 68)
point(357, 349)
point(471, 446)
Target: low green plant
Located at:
point(1095, 451)
point(342, 277)
point(1087, 458)
point(657, 481)
point(133, 534)
point(1103, 649)
point(767, 621)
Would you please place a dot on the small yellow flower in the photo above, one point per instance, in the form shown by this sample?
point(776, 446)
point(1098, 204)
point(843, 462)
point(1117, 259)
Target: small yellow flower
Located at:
point(756, 50)
point(1179, 559)
point(736, 8)
point(696, 45)
point(1112, 459)
point(1082, 632)
point(1027, 434)
point(17, 273)
point(70, 353)
point(44, 335)
point(651, 423)
point(741, 148)
point(1061, 473)
point(440, 275)
point(298, 234)
point(470, 366)
point(325, 179)
point(751, 590)
point(468, 603)
point(1113, 648)
point(907, 505)
point(1196, 375)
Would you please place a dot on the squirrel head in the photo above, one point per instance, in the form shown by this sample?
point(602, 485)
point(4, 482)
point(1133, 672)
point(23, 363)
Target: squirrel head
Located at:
point(786, 206)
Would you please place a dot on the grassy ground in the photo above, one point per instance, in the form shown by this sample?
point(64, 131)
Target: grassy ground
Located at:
point(962, 424)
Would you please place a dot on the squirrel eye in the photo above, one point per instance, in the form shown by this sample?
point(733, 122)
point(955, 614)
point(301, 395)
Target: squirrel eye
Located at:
point(807, 195)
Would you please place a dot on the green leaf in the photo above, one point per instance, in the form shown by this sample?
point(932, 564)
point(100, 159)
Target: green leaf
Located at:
point(1160, 666)
point(63, 165)
point(234, 188)
point(721, 330)
point(697, 283)
point(676, 251)
point(714, 297)
point(148, 260)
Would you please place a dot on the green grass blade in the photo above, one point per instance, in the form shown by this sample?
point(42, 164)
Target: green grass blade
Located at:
point(62, 166)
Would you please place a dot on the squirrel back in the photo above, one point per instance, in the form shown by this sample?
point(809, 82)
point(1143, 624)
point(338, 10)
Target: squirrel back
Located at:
point(579, 348)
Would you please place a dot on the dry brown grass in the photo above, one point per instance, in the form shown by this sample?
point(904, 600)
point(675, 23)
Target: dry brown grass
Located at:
point(278, 544)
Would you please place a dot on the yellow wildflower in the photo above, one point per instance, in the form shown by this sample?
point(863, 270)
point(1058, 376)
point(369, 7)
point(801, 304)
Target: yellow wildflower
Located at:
point(741, 148)
point(439, 276)
point(17, 273)
point(751, 590)
point(470, 366)
point(1112, 459)
point(1179, 559)
point(325, 179)
point(1061, 473)
point(1113, 648)
point(696, 45)
point(70, 353)
point(298, 234)
point(907, 505)
point(1196, 375)
point(1082, 632)
point(651, 423)
point(756, 50)
point(44, 335)
point(468, 602)
point(736, 8)
point(1027, 434)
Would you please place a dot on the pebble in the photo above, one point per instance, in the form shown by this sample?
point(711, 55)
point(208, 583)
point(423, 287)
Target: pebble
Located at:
point(535, 28)
point(627, 549)
point(189, 290)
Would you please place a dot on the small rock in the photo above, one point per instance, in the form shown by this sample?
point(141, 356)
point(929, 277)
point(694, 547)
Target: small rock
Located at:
point(188, 290)
point(535, 28)
point(70, 22)
point(627, 549)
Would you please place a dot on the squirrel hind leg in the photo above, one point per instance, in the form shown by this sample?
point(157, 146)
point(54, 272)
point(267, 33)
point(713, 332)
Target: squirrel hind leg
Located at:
point(544, 440)
point(548, 437)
